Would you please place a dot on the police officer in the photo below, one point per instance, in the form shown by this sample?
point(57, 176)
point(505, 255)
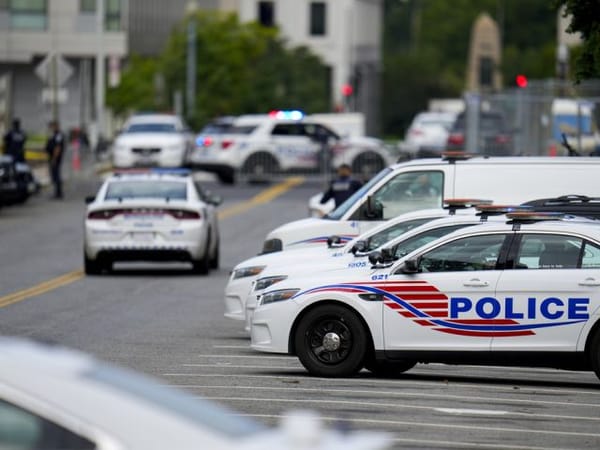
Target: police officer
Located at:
point(14, 142)
point(342, 187)
point(55, 148)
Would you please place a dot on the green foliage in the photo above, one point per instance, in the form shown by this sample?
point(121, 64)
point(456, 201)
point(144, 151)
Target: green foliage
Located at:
point(241, 68)
point(585, 19)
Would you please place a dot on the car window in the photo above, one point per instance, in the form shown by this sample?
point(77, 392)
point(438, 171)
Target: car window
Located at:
point(465, 254)
point(549, 251)
point(410, 191)
point(151, 128)
point(419, 240)
point(23, 430)
point(241, 129)
point(380, 238)
point(591, 256)
point(288, 129)
point(173, 190)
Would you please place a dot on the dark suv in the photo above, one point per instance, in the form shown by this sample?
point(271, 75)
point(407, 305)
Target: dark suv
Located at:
point(494, 137)
point(17, 182)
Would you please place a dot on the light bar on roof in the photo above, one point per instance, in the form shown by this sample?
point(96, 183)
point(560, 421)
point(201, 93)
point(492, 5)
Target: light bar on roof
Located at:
point(293, 114)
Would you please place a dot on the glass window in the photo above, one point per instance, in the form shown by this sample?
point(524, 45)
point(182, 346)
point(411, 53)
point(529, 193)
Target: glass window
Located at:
point(378, 239)
point(87, 6)
point(549, 251)
point(414, 242)
point(112, 18)
point(288, 129)
point(466, 254)
point(408, 191)
point(591, 256)
point(173, 190)
point(28, 14)
point(266, 14)
point(318, 19)
point(151, 128)
point(23, 430)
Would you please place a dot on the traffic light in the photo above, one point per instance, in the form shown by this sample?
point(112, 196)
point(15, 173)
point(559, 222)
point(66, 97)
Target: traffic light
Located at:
point(521, 81)
point(347, 90)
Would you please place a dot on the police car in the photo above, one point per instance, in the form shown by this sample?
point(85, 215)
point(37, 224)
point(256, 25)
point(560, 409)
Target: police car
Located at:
point(56, 398)
point(523, 292)
point(151, 215)
point(258, 146)
point(245, 274)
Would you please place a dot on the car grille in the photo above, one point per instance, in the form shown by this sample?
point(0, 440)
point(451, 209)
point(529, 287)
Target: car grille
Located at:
point(146, 151)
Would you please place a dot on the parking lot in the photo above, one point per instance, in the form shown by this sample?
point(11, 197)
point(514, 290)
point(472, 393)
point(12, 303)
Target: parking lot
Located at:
point(168, 323)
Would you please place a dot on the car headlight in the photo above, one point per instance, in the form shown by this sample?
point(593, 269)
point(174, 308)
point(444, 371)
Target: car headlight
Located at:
point(277, 296)
point(263, 283)
point(250, 271)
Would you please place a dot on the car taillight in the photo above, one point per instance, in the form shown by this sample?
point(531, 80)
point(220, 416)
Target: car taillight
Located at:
point(456, 139)
point(502, 139)
point(416, 132)
point(183, 214)
point(105, 214)
point(226, 143)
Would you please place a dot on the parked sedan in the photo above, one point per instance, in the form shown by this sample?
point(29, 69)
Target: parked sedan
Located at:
point(525, 292)
point(55, 398)
point(161, 140)
point(152, 215)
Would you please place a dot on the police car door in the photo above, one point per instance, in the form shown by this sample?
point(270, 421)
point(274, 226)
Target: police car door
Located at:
point(294, 147)
point(440, 307)
point(549, 294)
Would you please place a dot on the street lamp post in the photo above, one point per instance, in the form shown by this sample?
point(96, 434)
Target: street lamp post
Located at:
point(190, 91)
point(99, 71)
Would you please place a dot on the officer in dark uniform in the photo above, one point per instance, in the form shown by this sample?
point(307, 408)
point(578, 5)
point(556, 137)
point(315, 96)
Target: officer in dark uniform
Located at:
point(55, 148)
point(14, 142)
point(342, 187)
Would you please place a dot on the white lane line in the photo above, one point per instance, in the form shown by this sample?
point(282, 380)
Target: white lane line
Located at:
point(282, 357)
point(246, 366)
point(441, 444)
point(397, 394)
point(404, 382)
point(471, 427)
point(476, 412)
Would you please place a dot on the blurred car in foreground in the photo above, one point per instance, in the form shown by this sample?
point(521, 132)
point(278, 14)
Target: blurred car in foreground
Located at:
point(151, 215)
point(525, 292)
point(161, 140)
point(53, 398)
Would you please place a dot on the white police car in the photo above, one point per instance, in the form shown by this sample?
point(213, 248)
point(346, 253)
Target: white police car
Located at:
point(55, 398)
point(525, 292)
point(244, 274)
point(151, 215)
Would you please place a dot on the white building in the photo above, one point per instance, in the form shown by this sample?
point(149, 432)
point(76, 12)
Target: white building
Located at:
point(30, 30)
point(346, 34)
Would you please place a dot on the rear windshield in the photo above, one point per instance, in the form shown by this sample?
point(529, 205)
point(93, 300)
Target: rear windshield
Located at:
point(151, 128)
point(241, 129)
point(172, 190)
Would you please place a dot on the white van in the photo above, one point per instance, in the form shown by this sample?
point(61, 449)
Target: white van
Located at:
point(424, 183)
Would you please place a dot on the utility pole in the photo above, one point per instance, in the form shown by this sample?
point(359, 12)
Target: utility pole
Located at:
point(99, 70)
point(190, 90)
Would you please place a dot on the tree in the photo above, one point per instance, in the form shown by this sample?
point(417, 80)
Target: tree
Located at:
point(585, 19)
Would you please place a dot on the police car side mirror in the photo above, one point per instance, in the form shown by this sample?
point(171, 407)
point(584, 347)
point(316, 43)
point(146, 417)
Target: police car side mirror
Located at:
point(387, 254)
point(410, 266)
point(375, 258)
point(334, 241)
point(373, 209)
point(90, 199)
point(359, 247)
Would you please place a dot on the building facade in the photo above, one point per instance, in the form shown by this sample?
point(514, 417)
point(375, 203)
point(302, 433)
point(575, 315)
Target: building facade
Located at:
point(346, 34)
point(48, 50)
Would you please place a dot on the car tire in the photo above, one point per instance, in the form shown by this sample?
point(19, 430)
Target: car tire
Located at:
point(595, 353)
point(260, 168)
point(91, 266)
point(202, 266)
point(226, 176)
point(389, 368)
point(339, 329)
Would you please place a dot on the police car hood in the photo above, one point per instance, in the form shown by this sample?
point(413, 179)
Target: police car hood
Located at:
point(149, 139)
point(313, 231)
point(277, 259)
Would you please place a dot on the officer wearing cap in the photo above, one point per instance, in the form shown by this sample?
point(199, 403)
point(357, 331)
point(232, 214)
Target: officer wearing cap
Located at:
point(342, 187)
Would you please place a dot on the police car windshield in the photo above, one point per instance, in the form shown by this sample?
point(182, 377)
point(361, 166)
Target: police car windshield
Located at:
point(151, 128)
point(339, 212)
point(172, 190)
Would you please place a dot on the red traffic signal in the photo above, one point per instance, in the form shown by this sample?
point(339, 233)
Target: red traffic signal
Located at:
point(521, 80)
point(347, 90)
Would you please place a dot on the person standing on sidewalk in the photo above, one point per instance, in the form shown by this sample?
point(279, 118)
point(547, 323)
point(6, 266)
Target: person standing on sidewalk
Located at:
point(14, 142)
point(55, 148)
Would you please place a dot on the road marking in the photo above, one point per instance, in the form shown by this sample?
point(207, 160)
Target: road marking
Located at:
point(477, 412)
point(469, 427)
point(41, 288)
point(261, 198)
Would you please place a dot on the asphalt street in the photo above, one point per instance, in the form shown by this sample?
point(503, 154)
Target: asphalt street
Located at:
point(168, 323)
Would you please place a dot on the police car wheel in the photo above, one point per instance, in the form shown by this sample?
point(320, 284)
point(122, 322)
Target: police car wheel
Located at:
point(595, 353)
point(202, 266)
point(389, 368)
point(91, 267)
point(215, 258)
point(331, 341)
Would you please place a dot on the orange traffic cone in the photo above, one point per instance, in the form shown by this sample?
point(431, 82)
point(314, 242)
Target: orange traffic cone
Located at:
point(76, 160)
